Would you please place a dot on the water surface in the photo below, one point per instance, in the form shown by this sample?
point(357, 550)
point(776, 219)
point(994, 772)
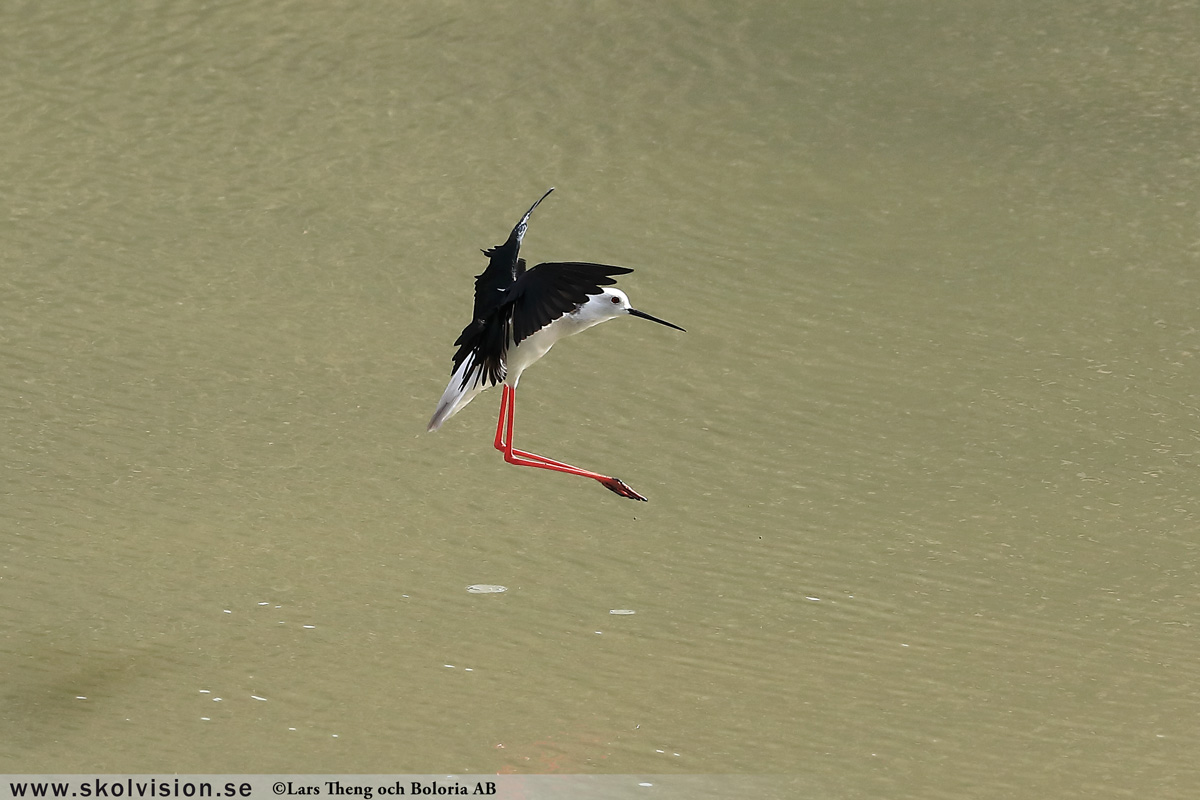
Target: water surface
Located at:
point(922, 516)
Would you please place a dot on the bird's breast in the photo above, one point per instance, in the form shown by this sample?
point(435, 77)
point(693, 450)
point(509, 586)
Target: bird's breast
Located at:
point(538, 343)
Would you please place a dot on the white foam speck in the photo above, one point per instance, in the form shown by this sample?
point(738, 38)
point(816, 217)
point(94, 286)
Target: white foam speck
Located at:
point(486, 588)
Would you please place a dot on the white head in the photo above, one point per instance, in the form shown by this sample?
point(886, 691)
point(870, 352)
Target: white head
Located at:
point(610, 304)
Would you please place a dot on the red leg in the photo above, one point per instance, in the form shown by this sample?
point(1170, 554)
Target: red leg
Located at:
point(504, 428)
point(521, 458)
point(500, 443)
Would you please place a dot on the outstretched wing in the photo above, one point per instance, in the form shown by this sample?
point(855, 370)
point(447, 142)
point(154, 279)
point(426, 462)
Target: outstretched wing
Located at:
point(487, 332)
point(503, 269)
point(549, 290)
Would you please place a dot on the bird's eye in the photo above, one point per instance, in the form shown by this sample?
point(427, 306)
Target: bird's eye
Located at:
point(616, 300)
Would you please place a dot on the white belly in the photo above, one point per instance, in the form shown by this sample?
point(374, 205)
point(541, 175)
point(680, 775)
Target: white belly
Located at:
point(538, 344)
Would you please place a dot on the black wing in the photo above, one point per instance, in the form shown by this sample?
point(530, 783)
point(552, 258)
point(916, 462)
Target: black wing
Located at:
point(503, 269)
point(487, 332)
point(547, 291)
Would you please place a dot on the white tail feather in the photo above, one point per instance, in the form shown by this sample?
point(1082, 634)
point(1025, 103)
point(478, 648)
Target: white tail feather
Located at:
point(456, 395)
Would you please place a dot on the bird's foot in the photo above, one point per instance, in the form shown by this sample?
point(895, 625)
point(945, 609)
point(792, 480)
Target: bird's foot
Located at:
point(618, 486)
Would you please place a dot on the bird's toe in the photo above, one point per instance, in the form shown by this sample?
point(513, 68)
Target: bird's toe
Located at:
point(619, 486)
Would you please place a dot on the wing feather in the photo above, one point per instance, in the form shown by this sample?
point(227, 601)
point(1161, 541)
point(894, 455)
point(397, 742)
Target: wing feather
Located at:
point(549, 290)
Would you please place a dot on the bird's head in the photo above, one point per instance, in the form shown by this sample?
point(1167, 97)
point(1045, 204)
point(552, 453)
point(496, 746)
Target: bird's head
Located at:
point(613, 303)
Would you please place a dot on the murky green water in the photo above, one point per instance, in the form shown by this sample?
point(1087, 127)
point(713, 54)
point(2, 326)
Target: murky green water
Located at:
point(922, 473)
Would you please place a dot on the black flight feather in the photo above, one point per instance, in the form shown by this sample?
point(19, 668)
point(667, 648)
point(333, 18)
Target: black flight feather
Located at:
point(546, 292)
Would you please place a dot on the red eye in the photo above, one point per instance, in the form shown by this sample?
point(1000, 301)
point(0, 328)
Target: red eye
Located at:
point(616, 301)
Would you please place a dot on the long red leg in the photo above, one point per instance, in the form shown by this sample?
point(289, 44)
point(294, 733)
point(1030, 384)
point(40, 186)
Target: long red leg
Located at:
point(521, 458)
point(504, 434)
point(500, 444)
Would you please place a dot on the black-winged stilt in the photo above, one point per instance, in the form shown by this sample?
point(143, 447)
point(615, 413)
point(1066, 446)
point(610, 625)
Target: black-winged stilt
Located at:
point(519, 315)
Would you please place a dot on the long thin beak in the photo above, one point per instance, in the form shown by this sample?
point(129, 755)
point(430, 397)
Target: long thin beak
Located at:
point(644, 315)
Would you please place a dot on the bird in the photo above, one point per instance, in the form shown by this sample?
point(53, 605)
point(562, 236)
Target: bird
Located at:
point(518, 315)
